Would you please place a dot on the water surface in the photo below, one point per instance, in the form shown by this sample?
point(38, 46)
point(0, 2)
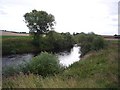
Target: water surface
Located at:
point(66, 58)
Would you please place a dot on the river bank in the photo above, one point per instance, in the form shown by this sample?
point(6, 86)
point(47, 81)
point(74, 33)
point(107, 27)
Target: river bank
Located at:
point(52, 42)
point(99, 70)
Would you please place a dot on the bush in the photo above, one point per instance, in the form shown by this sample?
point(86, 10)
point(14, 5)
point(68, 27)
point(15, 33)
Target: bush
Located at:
point(85, 48)
point(56, 42)
point(44, 64)
point(89, 42)
point(98, 43)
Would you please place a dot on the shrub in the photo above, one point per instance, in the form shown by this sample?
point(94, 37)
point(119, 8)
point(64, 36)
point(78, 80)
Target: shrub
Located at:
point(98, 43)
point(44, 64)
point(89, 42)
point(56, 41)
point(85, 48)
point(50, 42)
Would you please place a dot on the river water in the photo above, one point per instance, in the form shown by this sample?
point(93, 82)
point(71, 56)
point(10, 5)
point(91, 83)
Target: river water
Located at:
point(65, 58)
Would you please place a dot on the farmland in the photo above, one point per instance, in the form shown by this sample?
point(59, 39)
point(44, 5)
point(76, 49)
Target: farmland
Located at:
point(11, 33)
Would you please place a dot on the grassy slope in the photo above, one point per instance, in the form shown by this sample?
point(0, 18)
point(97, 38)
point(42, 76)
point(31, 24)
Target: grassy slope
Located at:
point(17, 44)
point(99, 70)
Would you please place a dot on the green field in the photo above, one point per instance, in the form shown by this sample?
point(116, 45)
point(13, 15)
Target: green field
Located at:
point(95, 70)
point(6, 37)
point(17, 44)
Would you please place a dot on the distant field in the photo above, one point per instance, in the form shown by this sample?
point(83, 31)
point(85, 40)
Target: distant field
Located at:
point(8, 34)
point(109, 37)
point(15, 37)
point(3, 33)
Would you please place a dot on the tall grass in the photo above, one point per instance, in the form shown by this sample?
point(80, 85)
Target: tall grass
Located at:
point(17, 44)
point(98, 70)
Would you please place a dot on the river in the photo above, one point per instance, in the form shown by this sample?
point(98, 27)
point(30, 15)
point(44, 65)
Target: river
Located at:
point(66, 58)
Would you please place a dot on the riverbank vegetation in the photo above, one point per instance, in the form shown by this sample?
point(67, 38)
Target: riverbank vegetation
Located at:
point(17, 44)
point(44, 64)
point(51, 42)
point(98, 69)
point(89, 42)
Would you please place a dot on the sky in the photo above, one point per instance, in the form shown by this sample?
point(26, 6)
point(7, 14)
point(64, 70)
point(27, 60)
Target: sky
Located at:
point(98, 16)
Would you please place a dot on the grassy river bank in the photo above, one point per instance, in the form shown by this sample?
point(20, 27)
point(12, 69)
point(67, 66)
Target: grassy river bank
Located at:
point(95, 70)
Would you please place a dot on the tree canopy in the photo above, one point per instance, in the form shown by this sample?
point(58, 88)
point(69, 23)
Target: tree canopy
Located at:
point(39, 22)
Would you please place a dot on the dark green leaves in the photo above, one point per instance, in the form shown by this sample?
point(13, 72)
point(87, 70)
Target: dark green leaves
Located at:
point(39, 21)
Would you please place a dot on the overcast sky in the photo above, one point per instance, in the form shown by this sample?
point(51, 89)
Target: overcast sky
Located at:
point(98, 16)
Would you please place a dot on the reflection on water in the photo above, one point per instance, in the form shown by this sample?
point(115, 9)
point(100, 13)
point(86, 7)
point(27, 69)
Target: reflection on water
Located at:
point(66, 58)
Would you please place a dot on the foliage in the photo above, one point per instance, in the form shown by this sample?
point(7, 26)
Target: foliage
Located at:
point(44, 64)
point(39, 22)
point(98, 43)
point(89, 42)
point(97, 70)
point(51, 42)
point(17, 44)
point(56, 41)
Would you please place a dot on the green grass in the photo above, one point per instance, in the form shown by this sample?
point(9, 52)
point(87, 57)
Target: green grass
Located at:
point(6, 37)
point(17, 44)
point(97, 70)
point(100, 67)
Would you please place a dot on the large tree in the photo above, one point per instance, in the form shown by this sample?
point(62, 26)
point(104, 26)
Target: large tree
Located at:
point(39, 22)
